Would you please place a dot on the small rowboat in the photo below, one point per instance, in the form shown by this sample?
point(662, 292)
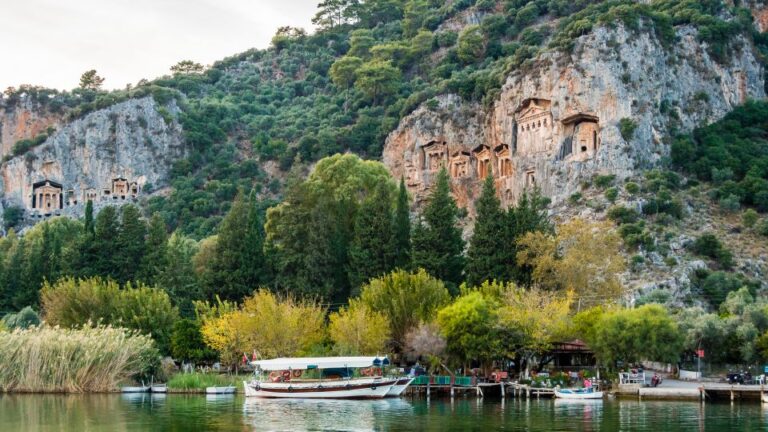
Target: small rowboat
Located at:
point(159, 388)
point(135, 389)
point(587, 393)
point(220, 390)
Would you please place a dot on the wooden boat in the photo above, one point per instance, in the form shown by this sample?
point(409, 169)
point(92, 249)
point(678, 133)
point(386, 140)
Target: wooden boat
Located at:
point(399, 387)
point(220, 390)
point(582, 393)
point(158, 388)
point(284, 379)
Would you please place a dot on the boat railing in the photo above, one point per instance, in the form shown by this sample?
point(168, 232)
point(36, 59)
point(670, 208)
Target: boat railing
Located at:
point(631, 377)
point(443, 380)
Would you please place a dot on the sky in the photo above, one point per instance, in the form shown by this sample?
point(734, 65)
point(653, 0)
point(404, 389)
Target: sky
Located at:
point(52, 42)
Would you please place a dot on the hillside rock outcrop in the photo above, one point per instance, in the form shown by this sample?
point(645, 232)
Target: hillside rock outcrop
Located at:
point(108, 156)
point(24, 119)
point(608, 107)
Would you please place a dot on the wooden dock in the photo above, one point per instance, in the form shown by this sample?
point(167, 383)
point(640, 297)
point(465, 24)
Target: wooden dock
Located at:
point(488, 389)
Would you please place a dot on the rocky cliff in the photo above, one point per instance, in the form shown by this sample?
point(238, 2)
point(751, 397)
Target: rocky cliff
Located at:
point(108, 156)
point(558, 121)
point(24, 119)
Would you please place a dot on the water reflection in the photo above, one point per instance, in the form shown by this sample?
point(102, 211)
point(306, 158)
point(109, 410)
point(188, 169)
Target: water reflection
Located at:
point(147, 412)
point(328, 414)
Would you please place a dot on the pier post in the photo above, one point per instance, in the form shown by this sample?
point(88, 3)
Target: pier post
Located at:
point(502, 389)
point(451, 390)
point(427, 388)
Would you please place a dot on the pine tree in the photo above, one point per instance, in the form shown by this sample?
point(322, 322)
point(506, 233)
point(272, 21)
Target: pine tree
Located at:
point(130, 244)
point(239, 262)
point(530, 214)
point(486, 255)
point(155, 250)
point(437, 245)
point(401, 230)
point(370, 254)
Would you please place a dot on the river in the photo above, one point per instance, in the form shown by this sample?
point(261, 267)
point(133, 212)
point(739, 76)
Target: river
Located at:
point(114, 412)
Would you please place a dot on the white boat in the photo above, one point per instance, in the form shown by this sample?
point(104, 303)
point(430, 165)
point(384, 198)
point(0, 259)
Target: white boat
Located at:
point(764, 397)
point(220, 390)
point(399, 387)
point(135, 389)
point(284, 379)
point(582, 393)
point(158, 388)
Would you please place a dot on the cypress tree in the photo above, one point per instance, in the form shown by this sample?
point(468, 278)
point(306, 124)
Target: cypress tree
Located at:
point(401, 230)
point(155, 250)
point(253, 262)
point(178, 276)
point(487, 258)
point(89, 218)
point(130, 244)
point(103, 251)
point(369, 253)
point(437, 245)
point(530, 214)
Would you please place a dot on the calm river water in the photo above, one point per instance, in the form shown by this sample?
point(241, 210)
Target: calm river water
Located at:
point(92, 413)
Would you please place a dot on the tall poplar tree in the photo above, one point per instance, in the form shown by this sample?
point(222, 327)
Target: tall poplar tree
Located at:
point(104, 239)
point(369, 254)
point(437, 243)
point(401, 230)
point(486, 256)
point(129, 250)
point(529, 215)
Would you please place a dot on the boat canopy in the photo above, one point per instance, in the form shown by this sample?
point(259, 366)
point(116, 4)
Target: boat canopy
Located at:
point(304, 363)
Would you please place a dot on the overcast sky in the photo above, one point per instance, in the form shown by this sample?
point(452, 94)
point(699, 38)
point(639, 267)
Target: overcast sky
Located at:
point(52, 42)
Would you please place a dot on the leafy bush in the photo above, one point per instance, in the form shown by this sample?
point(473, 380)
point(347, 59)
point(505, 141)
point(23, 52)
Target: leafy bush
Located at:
point(623, 215)
point(632, 188)
point(603, 181)
point(709, 245)
point(611, 194)
point(12, 216)
point(749, 218)
point(627, 128)
point(23, 319)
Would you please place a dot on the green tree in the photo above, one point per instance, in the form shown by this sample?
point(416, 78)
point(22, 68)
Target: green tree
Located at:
point(527, 216)
point(344, 71)
point(90, 80)
point(106, 231)
point(369, 253)
point(401, 229)
point(470, 327)
point(437, 243)
point(129, 251)
point(487, 257)
point(471, 47)
point(89, 227)
point(360, 43)
point(155, 250)
point(406, 299)
point(187, 67)
point(187, 342)
point(357, 330)
point(632, 335)
point(178, 276)
point(378, 80)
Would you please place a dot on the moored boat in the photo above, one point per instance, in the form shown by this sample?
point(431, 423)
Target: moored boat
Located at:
point(582, 393)
point(335, 378)
point(399, 387)
point(158, 388)
point(135, 389)
point(220, 390)
point(764, 397)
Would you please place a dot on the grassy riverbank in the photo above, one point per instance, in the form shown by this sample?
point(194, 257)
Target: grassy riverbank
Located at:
point(197, 382)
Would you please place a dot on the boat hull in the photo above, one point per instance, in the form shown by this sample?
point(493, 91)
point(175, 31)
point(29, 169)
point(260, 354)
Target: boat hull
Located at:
point(399, 387)
point(220, 390)
point(578, 395)
point(159, 389)
point(346, 389)
point(764, 397)
point(135, 389)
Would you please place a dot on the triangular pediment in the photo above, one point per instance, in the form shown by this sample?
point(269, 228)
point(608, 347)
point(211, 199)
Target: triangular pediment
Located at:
point(531, 111)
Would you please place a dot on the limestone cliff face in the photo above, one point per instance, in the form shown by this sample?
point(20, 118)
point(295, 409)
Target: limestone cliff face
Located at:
point(109, 156)
point(24, 119)
point(557, 123)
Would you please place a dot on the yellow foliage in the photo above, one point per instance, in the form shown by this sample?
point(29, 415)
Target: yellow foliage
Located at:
point(272, 326)
point(357, 330)
point(539, 316)
point(583, 256)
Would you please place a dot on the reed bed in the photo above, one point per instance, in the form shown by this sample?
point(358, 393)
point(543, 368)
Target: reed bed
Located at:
point(87, 359)
point(199, 381)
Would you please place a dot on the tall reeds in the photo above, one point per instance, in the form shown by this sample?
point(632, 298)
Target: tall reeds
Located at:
point(87, 359)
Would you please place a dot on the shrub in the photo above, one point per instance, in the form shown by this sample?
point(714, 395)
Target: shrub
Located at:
point(709, 245)
point(627, 128)
point(575, 198)
point(603, 181)
point(749, 218)
point(23, 319)
point(729, 203)
point(623, 215)
point(763, 227)
point(717, 285)
point(611, 194)
point(12, 216)
point(88, 359)
point(632, 188)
